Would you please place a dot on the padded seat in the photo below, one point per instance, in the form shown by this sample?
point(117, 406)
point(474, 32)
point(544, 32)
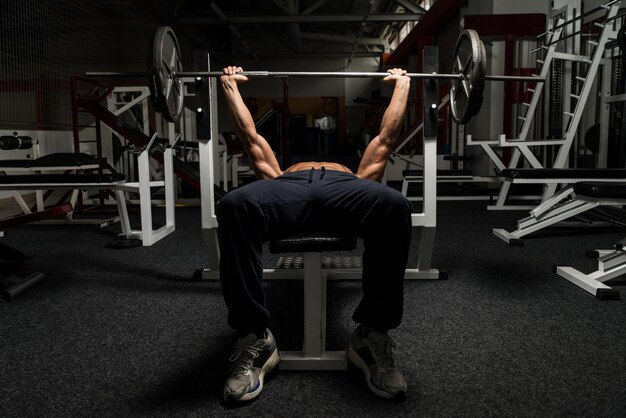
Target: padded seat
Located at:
point(313, 242)
point(15, 163)
point(601, 190)
point(62, 178)
point(62, 159)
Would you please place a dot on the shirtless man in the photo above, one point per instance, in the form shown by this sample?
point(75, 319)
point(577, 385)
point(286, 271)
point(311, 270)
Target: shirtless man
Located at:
point(314, 197)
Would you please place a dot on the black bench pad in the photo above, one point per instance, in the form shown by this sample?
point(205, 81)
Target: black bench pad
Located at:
point(15, 163)
point(62, 179)
point(64, 160)
point(61, 159)
point(313, 242)
point(601, 190)
point(563, 173)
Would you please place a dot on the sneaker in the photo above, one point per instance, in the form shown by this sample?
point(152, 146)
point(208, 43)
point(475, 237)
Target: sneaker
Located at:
point(372, 354)
point(252, 360)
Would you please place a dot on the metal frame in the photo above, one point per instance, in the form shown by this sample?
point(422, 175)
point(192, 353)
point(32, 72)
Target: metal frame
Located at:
point(126, 165)
point(611, 264)
point(313, 355)
point(147, 234)
point(554, 211)
point(39, 198)
point(522, 145)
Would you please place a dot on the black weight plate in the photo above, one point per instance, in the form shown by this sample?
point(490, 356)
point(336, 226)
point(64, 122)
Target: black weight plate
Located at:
point(166, 63)
point(474, 107)
point(157, 100)
point(466, 94)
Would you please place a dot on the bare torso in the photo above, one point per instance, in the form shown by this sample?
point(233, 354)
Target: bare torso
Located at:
point(317, 165)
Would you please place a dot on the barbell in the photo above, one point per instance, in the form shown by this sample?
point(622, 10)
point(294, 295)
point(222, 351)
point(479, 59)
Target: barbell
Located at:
point(466, 91)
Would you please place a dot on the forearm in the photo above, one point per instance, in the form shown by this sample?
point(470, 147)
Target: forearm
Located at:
point(391, 123)
point(240, 116)
point(377, 153)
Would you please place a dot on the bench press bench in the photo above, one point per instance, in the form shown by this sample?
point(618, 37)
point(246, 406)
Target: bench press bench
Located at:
point(313, 355)
point(569, 202)
point(61, 162)
point(562, 175)
point(147, 236)
point(63, 182)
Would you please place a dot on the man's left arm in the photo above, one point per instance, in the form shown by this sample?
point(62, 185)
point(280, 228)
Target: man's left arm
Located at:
point(377, 153)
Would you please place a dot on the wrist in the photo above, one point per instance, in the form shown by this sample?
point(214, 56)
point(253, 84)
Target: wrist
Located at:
point(228, 83)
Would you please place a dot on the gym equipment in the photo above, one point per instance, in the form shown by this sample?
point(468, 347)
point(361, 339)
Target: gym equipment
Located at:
point(314, 355)
point(166, 63)
point(14, 277)
point(8, 142)
point(56, 162)
point(148, 235)
point(554, 52)
point(564, 205)
point(611, 263)
point(12, 262)
point(468, 76)
point(621, 38)
point(470, 61)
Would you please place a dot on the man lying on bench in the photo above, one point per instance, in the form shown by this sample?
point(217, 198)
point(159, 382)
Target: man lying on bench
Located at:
point(314, 197)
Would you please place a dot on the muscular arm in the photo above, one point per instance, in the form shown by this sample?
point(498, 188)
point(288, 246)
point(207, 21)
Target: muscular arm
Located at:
point(262, 158)
point(377, 153)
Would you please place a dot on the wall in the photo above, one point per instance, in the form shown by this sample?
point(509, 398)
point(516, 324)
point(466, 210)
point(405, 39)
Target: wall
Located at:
point(44, 43)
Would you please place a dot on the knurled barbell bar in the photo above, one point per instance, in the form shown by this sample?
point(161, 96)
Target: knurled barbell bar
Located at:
point(467, 78)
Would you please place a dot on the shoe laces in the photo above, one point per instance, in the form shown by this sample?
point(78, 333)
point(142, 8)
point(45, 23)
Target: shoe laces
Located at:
point(244, 356)
point(382, 346)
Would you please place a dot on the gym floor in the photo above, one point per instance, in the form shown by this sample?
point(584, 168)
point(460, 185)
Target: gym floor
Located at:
point(129, 333)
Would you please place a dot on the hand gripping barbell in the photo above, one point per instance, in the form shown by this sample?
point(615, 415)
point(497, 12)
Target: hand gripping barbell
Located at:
point(466, 91)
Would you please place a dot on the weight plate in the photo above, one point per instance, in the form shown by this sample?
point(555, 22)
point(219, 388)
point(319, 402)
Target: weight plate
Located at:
point(466, 94)
point(474, 107)
point(157, 100)
point(154, 93)
point(166, 63)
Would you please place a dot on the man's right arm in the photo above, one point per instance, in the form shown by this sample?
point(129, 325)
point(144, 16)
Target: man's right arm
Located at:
point(262, 158)
point(377, 153)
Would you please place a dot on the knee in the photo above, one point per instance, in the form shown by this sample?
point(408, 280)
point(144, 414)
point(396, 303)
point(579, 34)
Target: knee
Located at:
point(231, 204)
point(398, 207)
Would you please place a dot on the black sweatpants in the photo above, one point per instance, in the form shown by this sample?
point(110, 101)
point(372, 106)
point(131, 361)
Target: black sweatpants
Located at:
point(314, 201)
